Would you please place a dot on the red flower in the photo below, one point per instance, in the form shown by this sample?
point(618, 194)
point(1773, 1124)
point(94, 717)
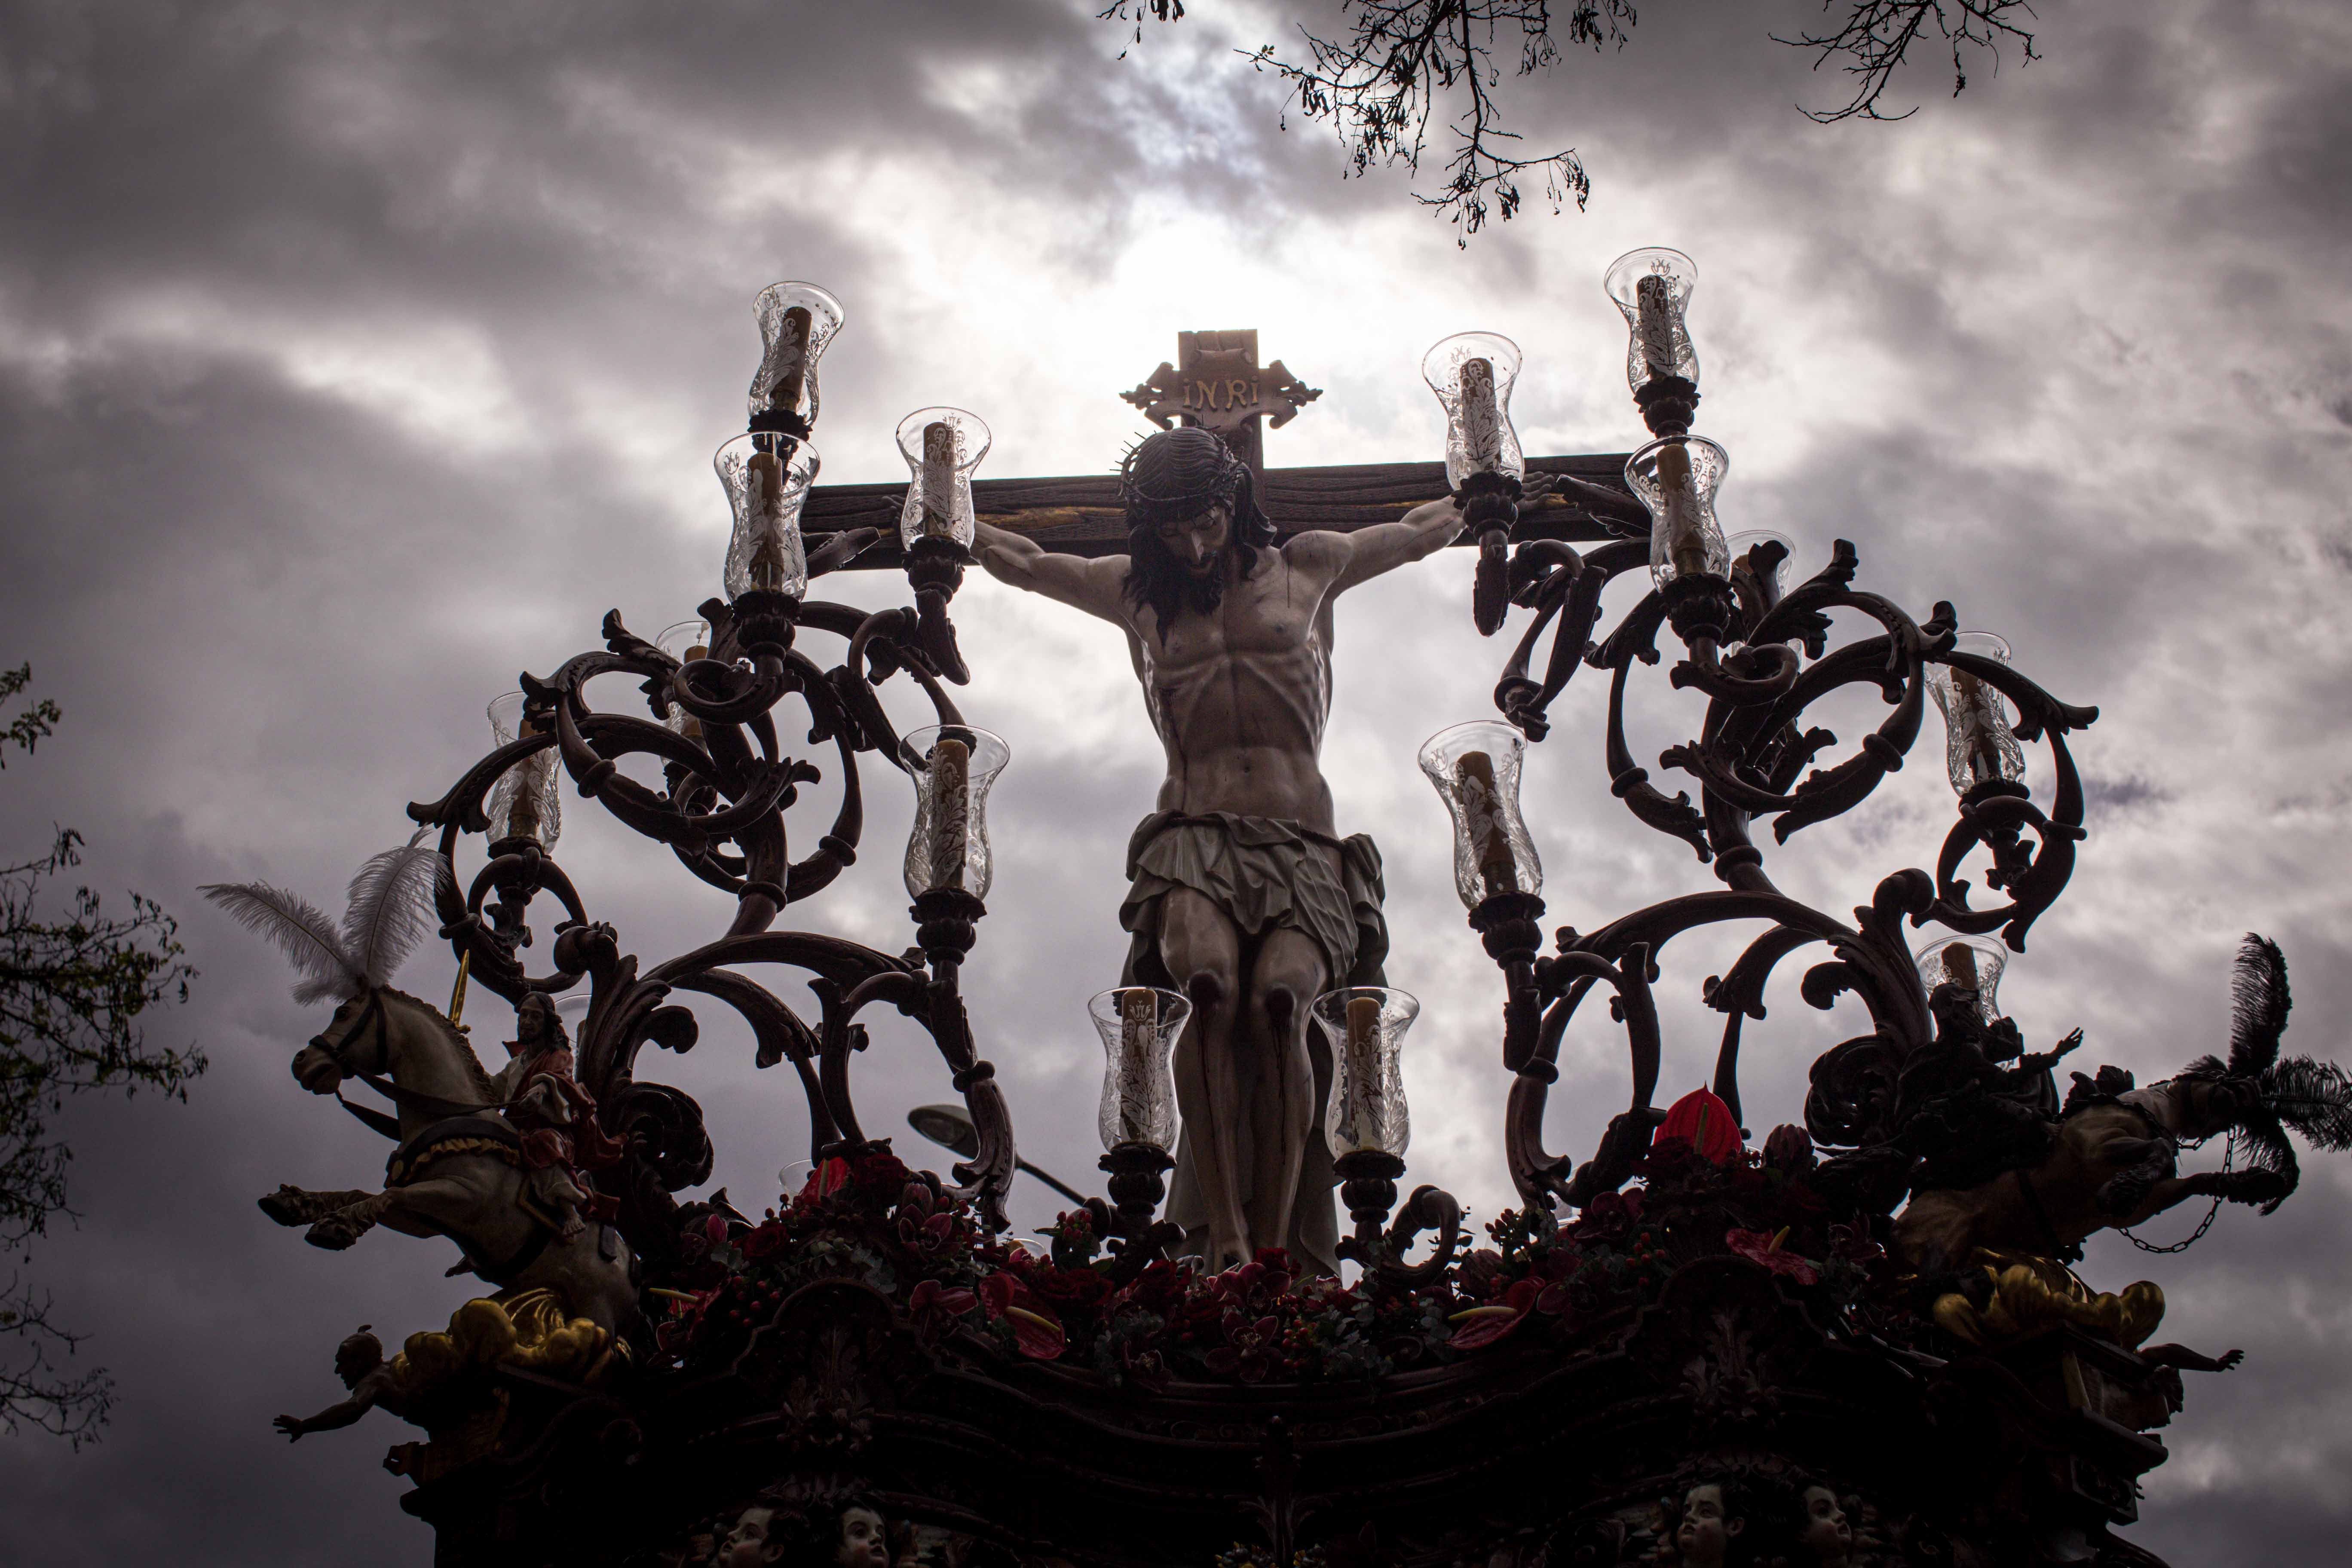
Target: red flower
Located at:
point(1481, 1326)
point(827, 1179)
point(1702, 1121)
point(1071, 1289)
point(768, 1237)
point(1159, 1287)
point(1036, 1332)
point(935, 1307)
point(1252, 1349)
point(1758, 1248)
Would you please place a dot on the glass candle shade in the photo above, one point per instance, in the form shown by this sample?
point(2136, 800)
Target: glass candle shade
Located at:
point(1473, 375)
point(796, 321)
point(1365, 1026)
point(1139, 1025)
point(1475, 768)
point(942, 447)
point(1676, 479)
point(1982, 745)
point(1653, 288)
point(767, 477)
point(1971, 962)
point(953, 767)
point(571, 1012)
point(524, 803)
point(684, 642)
point(1774, 580)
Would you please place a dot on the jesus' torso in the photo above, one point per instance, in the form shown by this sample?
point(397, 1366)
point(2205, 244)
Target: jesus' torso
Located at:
point(1240, 695)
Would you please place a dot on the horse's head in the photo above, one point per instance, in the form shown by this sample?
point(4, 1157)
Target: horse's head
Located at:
point(355, 1040)
point(2198, 1105)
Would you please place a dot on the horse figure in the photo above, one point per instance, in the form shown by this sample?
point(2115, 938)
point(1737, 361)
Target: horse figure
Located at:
point(2113, 1159)
point(459, 1168)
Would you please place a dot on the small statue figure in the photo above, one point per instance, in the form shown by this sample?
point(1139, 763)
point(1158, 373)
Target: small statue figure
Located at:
point(562, 1139)
point(1706, 1528)
point(864, 1539)
point(360, 1362)
point(755, 1541)
point(1823, 1529)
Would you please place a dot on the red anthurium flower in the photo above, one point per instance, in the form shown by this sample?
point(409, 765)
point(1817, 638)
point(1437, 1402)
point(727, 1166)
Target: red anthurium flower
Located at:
point(1702, 1121)
point(824, 1181)
point(1035, 1334)
point(1482, 1326)
point(1758, 1248)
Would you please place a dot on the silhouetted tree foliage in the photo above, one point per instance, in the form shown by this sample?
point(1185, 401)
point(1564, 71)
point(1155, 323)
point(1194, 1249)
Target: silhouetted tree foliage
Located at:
point(73, 984)
point(1379, 85)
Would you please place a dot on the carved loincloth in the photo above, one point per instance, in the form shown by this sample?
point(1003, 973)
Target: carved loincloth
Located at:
point(1263, 875)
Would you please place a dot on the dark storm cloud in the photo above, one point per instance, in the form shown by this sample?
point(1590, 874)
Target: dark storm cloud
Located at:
point(353, 359)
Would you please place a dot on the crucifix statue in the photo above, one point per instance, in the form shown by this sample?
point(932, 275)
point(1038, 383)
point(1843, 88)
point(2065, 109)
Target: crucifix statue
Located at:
point(1242, 893)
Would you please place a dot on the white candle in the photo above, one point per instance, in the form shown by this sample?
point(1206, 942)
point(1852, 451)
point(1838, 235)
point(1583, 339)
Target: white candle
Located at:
point(1685, 539)
point(1138, 1025)
point(1481, 815)
point(950, 801)
point(1482, 419)
point(939, 480)
point(764, 479)
point(1961, 965)
point(786, 371)
point(1367, 1091)
point(1653, 300)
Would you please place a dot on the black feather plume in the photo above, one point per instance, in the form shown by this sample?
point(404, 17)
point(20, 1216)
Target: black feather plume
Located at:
point(2258, 1004)
point(2314, 1098)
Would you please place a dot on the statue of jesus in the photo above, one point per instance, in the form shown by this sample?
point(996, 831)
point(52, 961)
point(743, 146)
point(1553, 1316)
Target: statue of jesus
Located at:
point(1242, 896)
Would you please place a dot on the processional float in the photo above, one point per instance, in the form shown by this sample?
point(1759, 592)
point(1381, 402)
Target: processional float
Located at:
point(1854, 1341)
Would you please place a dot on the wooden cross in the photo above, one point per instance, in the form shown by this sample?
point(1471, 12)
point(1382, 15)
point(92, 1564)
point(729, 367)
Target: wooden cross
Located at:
point(1216, 383)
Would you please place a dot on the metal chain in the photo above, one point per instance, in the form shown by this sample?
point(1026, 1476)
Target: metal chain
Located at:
point(2229, 1157)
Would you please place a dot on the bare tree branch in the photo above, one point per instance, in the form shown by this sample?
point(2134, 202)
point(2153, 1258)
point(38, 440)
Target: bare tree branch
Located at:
point(1876, 34)
point(32, 1392)
point(1378, 88)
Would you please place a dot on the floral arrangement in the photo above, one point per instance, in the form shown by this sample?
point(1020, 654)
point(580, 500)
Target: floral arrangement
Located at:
point(870, 1218)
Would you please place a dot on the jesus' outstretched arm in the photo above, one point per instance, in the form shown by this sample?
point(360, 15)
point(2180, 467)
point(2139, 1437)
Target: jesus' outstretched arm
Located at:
point(1093, 586)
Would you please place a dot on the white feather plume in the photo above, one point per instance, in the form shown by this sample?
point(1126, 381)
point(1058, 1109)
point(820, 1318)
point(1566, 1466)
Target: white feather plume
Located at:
point(391, 909)
point(299, 929)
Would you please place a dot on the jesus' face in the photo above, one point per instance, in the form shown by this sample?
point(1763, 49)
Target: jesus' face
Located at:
point(1198, 542)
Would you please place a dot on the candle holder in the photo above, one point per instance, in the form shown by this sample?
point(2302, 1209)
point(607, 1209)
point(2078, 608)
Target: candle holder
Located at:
point(1653, 288)
point(527, 805)
point(937, 522)
point(949, 863)
point(1970, 965)
point(1760, 563)
point(1981, 746)
point(796, 321)
point(1475, 769)
point(1471, 374)
point(767, 476)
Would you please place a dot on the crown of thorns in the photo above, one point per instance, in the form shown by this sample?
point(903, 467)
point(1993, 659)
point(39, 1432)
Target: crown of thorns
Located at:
point(1175, 473)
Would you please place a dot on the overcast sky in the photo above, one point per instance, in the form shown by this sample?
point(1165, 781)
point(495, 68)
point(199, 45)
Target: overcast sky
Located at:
point(354, 358)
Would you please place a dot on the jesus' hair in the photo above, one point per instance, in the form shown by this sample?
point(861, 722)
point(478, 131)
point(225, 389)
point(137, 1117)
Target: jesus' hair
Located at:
point(1171, 476)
